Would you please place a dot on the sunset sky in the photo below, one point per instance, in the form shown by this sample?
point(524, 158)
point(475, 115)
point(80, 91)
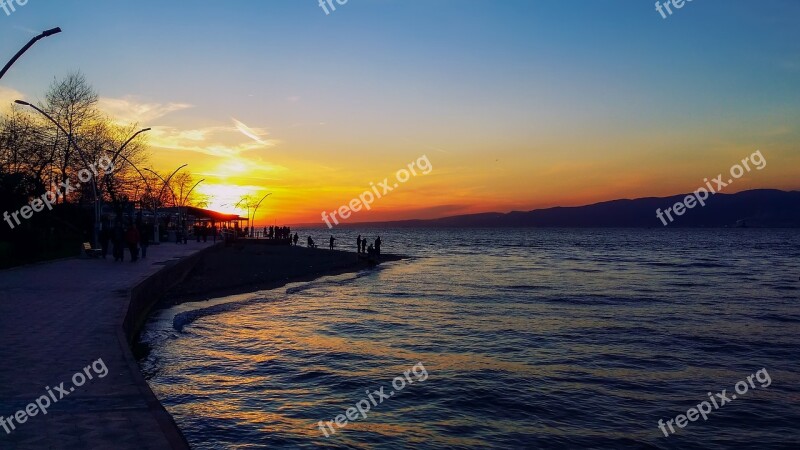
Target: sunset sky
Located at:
point(517, 104)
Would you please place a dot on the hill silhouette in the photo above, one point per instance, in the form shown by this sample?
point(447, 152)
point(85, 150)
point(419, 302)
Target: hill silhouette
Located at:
point(767, 208)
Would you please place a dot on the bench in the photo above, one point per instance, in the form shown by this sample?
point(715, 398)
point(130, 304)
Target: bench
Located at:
point(91, 252)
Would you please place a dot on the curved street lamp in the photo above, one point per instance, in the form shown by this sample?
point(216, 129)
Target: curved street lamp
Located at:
point(186, 199)
point(161, 192)
point(252, 229)
point(245, 199)
point(119, 152)
point(27, 46)
point(85, 162)
point(147, 184)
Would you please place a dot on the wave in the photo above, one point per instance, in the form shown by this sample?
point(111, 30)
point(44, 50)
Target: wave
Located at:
point(182, 319)
point(185, 318)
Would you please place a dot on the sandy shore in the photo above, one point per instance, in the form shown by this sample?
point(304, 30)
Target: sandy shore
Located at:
point(251, 266)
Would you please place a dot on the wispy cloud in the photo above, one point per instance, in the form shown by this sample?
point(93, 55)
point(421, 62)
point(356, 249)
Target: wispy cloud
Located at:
point(7, 97)
point(26, 30)
point(249, 132)
point(213, 141)
point(131, 110)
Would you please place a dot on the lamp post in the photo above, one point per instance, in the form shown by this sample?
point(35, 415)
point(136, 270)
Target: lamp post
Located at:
point(252, 229)
point(161, 192)
point(27, 46)
point(248, 209)
point(119, 152)
point(186, 199)
point(147, 184)
point(85, 162)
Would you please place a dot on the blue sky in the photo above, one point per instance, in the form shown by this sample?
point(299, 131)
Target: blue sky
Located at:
point(544, 83)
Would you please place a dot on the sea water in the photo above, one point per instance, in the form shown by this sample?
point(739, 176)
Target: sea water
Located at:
point(530, 338)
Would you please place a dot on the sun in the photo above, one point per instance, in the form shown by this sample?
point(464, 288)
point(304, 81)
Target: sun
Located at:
point(224, 197)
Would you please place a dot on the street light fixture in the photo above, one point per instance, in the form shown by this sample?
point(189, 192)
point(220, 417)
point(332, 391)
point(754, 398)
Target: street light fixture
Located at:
point(150, 189)
point(252, 228)
point(119, 152)
point(186, 198)
point(161, 192)
point(27, 46)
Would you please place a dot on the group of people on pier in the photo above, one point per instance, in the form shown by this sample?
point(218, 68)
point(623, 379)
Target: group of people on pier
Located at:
point(371, 250)
point(278, 233)
point(374, 250)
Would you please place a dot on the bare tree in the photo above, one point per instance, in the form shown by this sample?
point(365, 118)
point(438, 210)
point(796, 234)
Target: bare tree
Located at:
point(72, 102)
point(22, 145)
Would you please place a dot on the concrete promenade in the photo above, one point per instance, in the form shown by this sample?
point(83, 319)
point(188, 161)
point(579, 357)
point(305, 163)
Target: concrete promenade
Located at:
point(56, 319)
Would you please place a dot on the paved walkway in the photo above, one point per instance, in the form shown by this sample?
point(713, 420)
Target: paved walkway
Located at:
point(58, 318)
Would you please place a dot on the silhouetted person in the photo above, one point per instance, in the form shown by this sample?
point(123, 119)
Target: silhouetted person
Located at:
point(358, 244)
point(333, 239)
point(105, 237)
point(378, 246)
point(144, 238)
point(364, 245)
point(311, 243)
point(132, 239)
point(117, 242)
point(296, 238)
point(371, 251)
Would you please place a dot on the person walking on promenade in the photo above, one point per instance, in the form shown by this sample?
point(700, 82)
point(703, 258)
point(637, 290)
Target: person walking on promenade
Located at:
point(144, 238)
point(364, 245)
point(378, 247)
point(311, 243)
point(296, 238)
point(358, 244)
point(132, 239)
point(117, 241)
point(105, 237)
point(333, 239)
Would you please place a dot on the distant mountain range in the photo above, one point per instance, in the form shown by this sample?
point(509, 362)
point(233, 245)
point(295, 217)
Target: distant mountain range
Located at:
point(762, 208)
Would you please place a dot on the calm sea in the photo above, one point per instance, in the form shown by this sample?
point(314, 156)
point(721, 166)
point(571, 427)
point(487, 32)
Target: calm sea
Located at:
point(530, 339)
